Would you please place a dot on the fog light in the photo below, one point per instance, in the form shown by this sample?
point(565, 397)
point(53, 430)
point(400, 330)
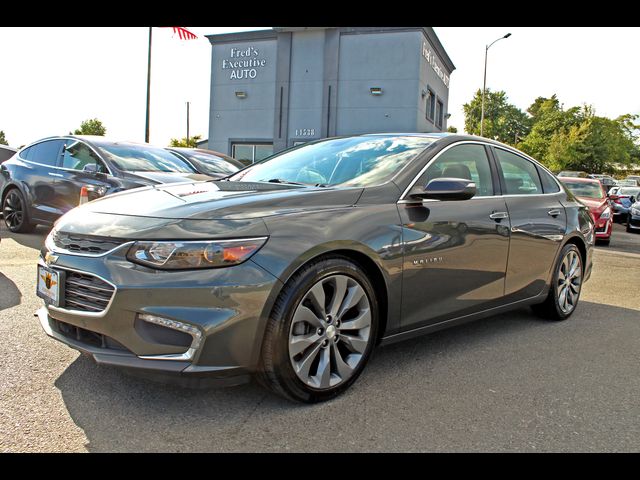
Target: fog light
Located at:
point(195, 333)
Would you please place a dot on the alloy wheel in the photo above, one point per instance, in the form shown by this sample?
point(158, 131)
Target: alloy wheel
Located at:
point(13, 210)
point(569, 282)
point(330, 332)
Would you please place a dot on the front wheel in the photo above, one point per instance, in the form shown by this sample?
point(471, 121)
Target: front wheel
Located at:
point(321, 332)
point(565, 286)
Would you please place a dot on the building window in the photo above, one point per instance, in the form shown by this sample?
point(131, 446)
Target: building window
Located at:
point(248, 153)
point(439, 114)
point(431, 104)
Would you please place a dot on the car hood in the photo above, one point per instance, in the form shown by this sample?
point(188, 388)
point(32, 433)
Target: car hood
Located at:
point(222, 200)
point(200, 209)
point(151, 178)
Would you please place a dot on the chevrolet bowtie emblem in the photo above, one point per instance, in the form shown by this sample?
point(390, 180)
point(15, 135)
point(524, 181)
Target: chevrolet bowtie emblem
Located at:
point(50, 258)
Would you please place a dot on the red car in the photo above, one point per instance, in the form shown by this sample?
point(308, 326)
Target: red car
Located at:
point(591, 193)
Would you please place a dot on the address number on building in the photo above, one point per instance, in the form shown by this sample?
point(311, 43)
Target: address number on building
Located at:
point(305, 132)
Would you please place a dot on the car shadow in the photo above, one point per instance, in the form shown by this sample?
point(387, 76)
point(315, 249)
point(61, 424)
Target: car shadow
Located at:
point(10, 295)
point(33, 240)
point(118, 412)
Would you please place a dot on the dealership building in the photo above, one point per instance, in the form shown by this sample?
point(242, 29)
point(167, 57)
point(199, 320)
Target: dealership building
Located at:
point(273, 89)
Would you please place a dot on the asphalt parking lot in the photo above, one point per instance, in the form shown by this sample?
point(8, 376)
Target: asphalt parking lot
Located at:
point(508, 383)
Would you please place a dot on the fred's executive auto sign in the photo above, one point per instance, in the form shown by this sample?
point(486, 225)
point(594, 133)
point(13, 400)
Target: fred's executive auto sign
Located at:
point(243, 63)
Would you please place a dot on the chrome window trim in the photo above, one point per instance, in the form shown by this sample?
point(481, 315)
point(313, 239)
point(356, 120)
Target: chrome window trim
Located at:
point(56, 167)
point(424, 169)
point(404, 200)
point(536, 163)
point(80, 313)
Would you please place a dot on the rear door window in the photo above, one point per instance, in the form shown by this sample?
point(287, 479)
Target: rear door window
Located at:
point(519, 174)
point(549, 185)
point(46, 153)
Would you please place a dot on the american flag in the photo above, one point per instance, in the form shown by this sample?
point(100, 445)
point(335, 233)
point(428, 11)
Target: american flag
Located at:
point(183, 33)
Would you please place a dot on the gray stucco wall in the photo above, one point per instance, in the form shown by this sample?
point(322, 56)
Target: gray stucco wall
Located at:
point(306, 85)
point(249, 118)
point(316, 83)
point(385, 60)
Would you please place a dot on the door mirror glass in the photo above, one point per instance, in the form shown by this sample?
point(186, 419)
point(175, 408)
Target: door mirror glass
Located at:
point(447, 189)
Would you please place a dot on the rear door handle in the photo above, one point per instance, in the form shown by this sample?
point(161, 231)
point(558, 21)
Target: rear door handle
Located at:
point(56, 175)
point(554, 212)
point(499, 215)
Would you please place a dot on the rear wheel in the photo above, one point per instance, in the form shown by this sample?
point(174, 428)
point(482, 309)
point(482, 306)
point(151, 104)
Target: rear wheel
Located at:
point(15, 214)
point(321, 331)
point(566, 285)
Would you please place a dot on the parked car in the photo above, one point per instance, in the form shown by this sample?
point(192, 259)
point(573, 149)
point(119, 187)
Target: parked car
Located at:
point(592, 194)
point(607, 181)
point(622, 198)
point(208, 162)
point(627, 182)
point(573, 173)
point(6, 153)
point(296, 267)
point(635, 178)
point(44, 180)
point(633, 217)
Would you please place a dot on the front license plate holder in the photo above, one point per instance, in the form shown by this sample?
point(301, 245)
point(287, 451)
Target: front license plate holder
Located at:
point(50, 286)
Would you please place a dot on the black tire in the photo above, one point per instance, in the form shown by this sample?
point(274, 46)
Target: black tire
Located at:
point(551, 309)
point(276, 371)
point(16, 213)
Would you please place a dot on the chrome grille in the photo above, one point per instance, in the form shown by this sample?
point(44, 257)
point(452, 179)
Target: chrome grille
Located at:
point(85, 244)
point(86, 293)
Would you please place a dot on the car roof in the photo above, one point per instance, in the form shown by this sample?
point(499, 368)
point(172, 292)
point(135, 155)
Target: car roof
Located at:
point(581, 180)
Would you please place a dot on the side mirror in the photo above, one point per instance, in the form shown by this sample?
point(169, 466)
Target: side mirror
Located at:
point(93, 169)
point(448, 189)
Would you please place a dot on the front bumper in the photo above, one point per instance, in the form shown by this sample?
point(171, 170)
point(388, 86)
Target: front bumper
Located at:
point(226, 305)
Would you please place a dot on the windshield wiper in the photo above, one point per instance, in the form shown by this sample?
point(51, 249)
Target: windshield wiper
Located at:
point(281, 180)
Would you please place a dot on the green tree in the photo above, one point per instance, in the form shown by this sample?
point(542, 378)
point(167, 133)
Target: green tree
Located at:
point(543, 103)
point(549, 120)
point(91, 127)
point(3, 140)
point(593, 145)
point(502, 120)
point(184, 142)
point(452, 129)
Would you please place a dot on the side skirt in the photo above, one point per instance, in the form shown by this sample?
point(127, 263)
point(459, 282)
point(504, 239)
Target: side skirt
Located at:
point(398, 337)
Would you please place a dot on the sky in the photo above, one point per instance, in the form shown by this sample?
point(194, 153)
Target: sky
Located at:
point(64, 75)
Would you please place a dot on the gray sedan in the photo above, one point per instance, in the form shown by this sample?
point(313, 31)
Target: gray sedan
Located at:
point(293, 269)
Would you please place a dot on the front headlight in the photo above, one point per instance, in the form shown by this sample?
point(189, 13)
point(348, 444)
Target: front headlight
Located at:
point(606, 213)
point(183, 255)
point(635, 212)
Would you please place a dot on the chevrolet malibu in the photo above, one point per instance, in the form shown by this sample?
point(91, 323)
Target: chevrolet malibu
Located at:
point(294, 269)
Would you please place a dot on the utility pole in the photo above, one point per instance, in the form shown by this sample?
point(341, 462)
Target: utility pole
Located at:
point(187, 123)
point(146, 131)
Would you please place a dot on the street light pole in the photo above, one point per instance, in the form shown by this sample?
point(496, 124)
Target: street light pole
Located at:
point(484, 85)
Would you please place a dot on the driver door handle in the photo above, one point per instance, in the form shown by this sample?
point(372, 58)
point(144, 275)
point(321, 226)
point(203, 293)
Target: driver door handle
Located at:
point(554, 212)
point(499, 215)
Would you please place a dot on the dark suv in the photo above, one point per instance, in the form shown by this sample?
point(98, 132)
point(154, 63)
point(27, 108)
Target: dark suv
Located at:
point(44, 180)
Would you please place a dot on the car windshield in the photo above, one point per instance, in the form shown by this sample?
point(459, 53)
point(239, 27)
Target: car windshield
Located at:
point(212, 164)
point(630, 191)
point(584, 189)
point(354, 161)
point(144, 158)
